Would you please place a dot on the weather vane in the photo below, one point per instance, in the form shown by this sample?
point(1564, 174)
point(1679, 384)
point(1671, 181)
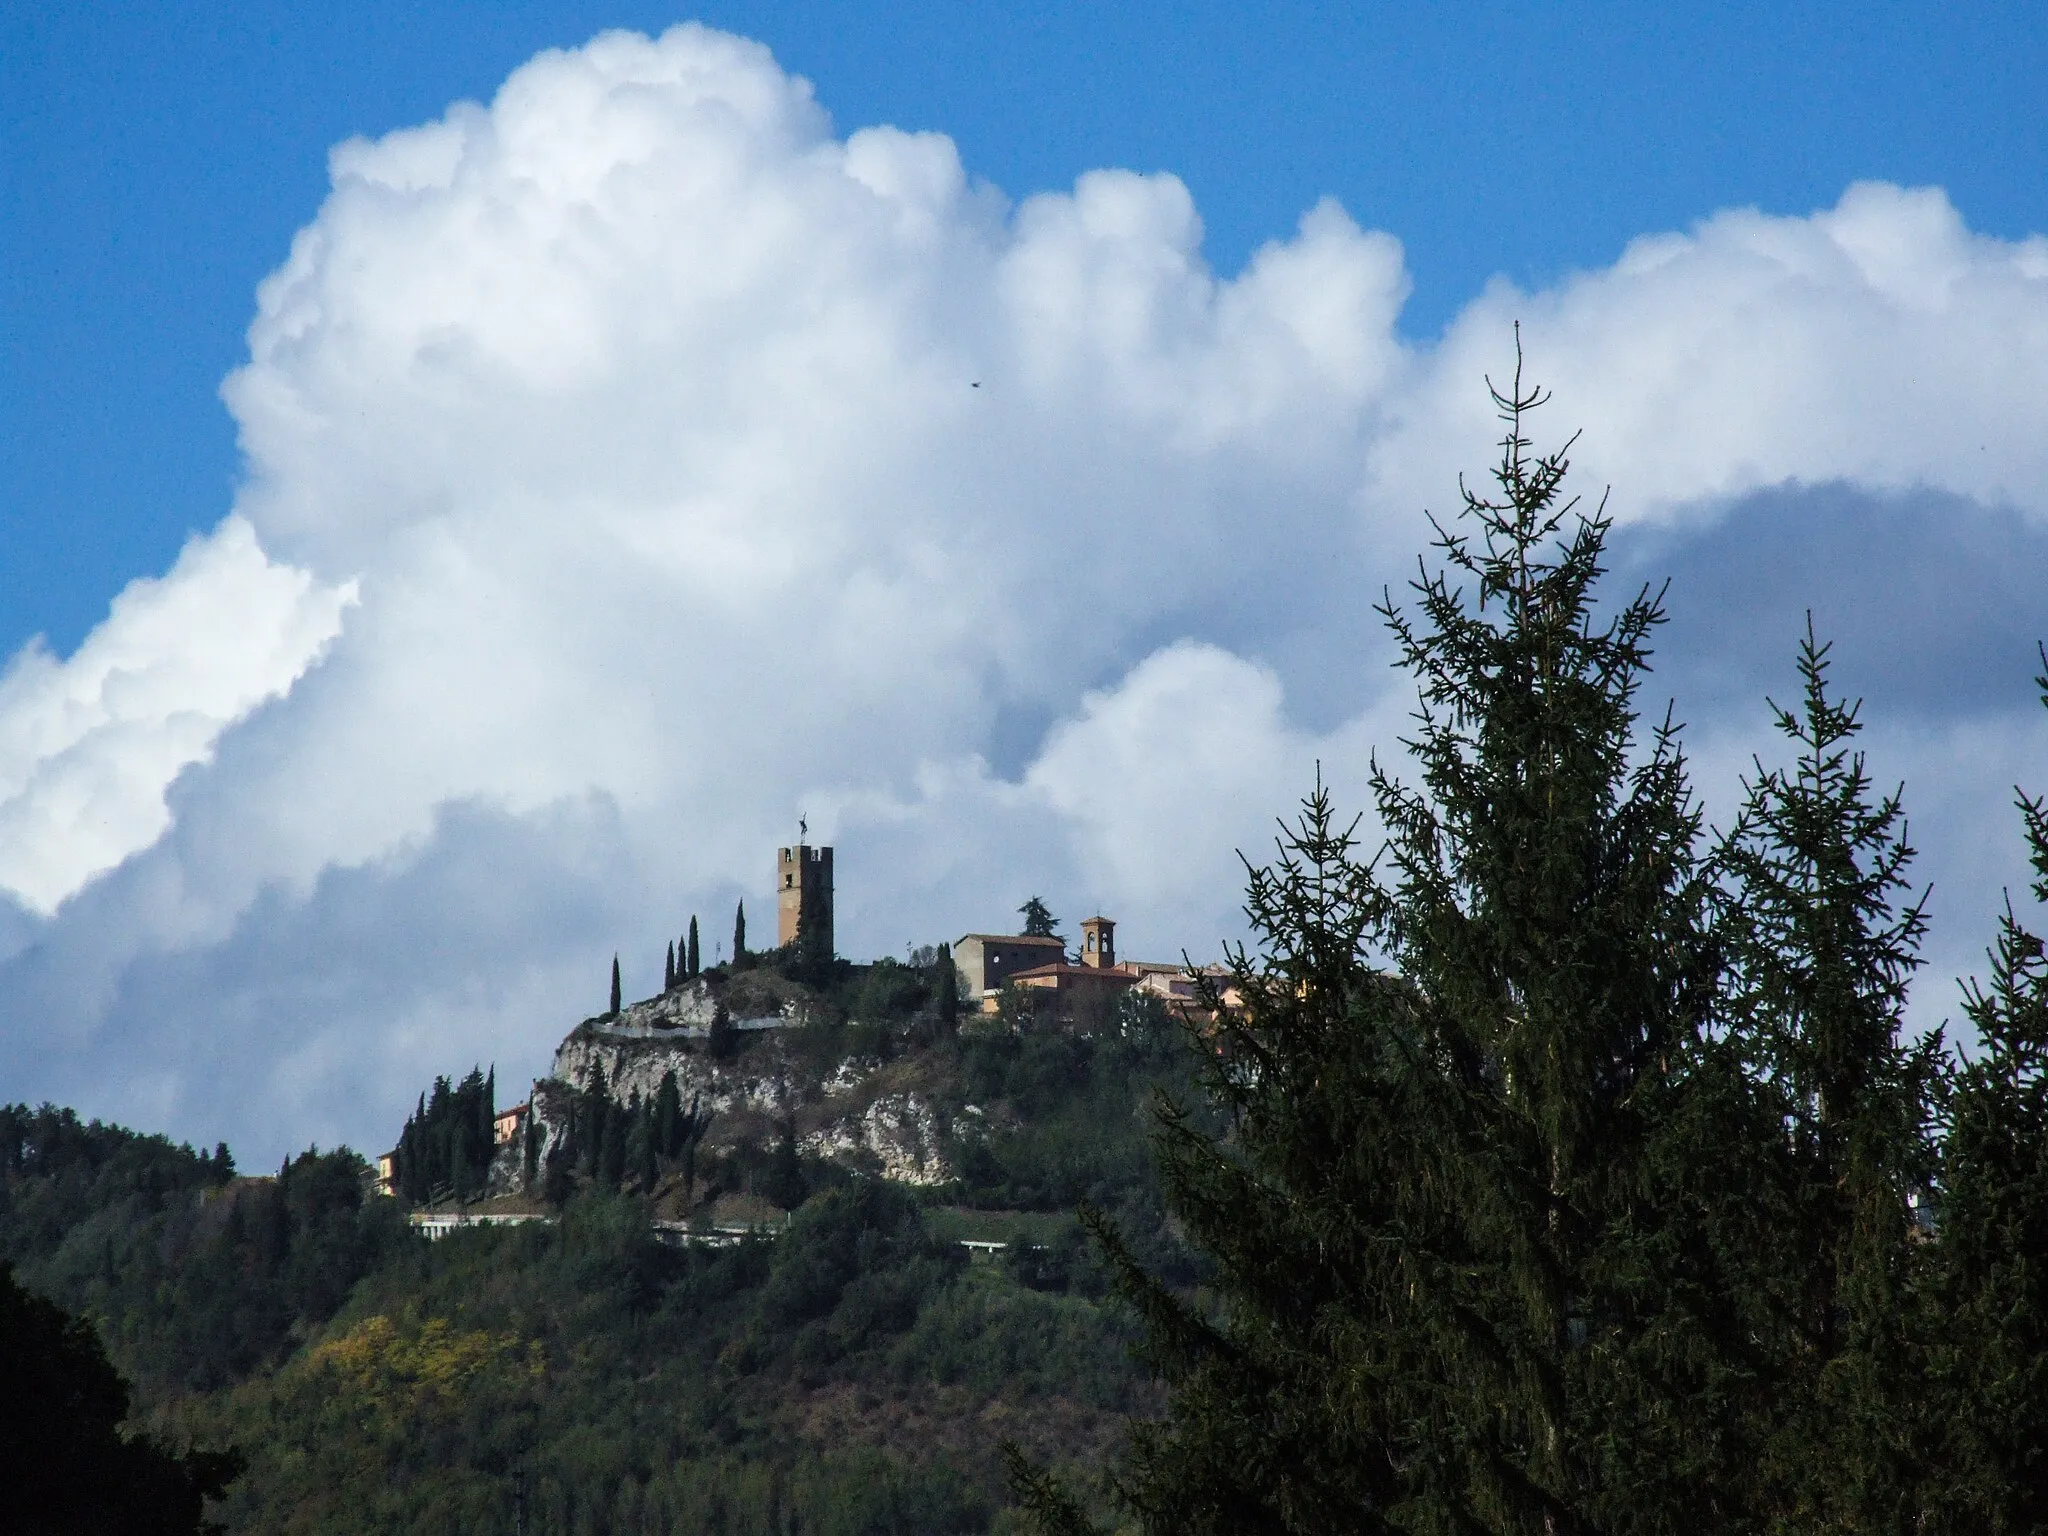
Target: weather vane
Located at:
point(803, 829)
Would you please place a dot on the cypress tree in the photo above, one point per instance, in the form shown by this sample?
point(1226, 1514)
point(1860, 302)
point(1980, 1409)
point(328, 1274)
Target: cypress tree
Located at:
point(739, 932)
point(696, 958)
point(640, 1153)
point(784, 1185)
point(487, 1118)
point(598, 1114)
point(668, 969)
point(668, 1116)
point(813, 953)
point(611, 1157)
point(694, 1126)
point(1465, 1220)
point(615, 987)
point(946, 988)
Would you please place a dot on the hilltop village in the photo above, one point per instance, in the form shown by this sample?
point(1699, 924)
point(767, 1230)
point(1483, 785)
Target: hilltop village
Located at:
point(714, 1097)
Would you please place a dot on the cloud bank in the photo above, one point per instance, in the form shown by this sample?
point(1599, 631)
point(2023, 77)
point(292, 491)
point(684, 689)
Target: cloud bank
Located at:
point(634, 463)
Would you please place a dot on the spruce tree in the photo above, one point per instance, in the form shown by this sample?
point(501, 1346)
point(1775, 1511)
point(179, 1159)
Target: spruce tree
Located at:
point(1992, 1247)
point(696, 957)
point(1466, 1220)
point(1822, 951)
point(615, 988)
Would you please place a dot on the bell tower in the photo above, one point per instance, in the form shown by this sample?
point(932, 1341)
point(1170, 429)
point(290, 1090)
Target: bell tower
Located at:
point(803, 894)
point(1098, 942)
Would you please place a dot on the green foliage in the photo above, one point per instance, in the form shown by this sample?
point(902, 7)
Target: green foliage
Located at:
point(615, 997)
point(696, 956)
point(724, 1039)
point(945, 989)
point(739, 933)
point(1992, 1358)
point(445, 1149)
point(1470, 1225)
point(842, 1377)
point(891, 990)
point(56, 1172)
point(64, 1462)
point(1820, 956)
point(1065, 1117)
point(999, 1339)
point(1039, 923)
point(626, 1146)
point(1578, 1176)
point(813, 942)
point(612, 1384)
point(784, 1184)
point(195, 1277)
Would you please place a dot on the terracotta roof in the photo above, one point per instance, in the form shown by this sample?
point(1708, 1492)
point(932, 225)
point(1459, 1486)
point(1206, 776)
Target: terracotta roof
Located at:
point(1012, 938)
point(1062, 967)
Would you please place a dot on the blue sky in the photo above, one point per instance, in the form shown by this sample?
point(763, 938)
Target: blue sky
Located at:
point(157, 164)
point(476, 499)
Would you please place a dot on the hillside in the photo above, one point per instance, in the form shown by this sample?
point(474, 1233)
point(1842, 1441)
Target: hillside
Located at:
point(853, 1367)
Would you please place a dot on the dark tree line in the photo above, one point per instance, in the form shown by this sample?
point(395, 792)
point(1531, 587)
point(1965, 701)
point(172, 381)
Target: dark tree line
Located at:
point(65, 1463)
point(628, 1144)
point(445, 1150)
point(1579, 1174)
point(196, 1277)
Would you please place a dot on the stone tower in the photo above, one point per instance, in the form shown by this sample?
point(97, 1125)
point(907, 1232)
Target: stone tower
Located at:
point(1098, 942)
point(803, 891)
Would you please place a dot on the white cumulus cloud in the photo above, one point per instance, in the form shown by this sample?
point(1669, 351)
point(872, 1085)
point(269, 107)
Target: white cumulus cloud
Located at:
point(90, 744)
point(690, 466)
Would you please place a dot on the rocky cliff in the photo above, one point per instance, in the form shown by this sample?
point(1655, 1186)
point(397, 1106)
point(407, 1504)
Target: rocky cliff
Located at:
point(746, 1052)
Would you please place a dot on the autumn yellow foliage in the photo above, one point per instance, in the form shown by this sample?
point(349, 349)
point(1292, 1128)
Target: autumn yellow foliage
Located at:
point(390, 1364)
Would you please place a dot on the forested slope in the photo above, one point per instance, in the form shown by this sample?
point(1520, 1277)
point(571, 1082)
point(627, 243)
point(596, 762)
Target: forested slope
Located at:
point(856, 1371)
